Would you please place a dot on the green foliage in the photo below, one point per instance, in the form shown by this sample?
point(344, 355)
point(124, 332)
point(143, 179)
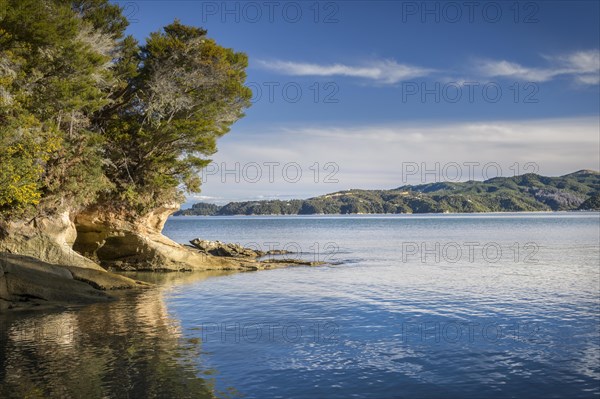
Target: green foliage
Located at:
point(184, 96)
point(592, 203)
point(579, 190)
point(54, 74)
point(88, 116)
point(22, 164)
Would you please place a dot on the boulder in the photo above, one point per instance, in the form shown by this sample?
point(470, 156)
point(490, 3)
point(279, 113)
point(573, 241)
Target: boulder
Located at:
point(218, 248)
point(26, 282)
point(49, 239)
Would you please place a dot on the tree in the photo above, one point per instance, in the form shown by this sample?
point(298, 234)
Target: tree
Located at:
point(185, 94)
point(54, 74)
point(88, 116)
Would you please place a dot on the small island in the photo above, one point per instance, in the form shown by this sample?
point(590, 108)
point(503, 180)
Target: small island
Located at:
point(526, 193)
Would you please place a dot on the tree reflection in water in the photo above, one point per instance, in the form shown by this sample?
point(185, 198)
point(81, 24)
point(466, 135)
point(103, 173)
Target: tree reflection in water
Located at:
point(130, 348)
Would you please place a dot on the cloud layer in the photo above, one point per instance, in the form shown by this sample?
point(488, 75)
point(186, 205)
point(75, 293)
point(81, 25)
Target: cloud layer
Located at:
point(383, 71)
point(582, 66)
point(372, 156)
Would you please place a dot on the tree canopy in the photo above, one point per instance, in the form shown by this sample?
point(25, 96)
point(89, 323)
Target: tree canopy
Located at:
point(90, 116)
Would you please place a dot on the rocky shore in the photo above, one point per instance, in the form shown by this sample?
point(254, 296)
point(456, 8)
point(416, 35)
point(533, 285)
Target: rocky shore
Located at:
point(27, 283)
point(253, 256)
point(75, 260)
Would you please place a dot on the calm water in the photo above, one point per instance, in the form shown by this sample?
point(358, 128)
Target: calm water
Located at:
point(408, 306)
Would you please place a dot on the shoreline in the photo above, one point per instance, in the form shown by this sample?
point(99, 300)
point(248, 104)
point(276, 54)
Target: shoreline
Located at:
point(574, 211)
point(30, 284)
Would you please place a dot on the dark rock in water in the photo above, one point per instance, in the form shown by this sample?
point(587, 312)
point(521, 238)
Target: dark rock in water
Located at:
point(277, 252)
point(218, 248)
point(298, 262)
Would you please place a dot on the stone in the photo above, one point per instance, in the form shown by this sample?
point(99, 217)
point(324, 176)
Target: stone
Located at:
point(218, 248)
point(26, 282)
point(121, 244)
point(49, 239)
point(298, 262)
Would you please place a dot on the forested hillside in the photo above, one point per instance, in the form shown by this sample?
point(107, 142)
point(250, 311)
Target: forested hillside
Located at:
point(530, 192)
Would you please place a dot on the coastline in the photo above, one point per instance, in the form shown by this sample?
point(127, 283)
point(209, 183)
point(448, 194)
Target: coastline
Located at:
point(522, 193)
point(574, 211)
point(28, 283)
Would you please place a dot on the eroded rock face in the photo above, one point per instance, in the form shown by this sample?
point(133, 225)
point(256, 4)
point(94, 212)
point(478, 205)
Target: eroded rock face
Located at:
point(49, 239)
point(121, 244)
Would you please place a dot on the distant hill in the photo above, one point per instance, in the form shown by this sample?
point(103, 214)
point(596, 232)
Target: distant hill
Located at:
point(529, 192)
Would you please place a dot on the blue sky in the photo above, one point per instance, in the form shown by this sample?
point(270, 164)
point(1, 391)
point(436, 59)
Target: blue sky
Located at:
point(364, 92)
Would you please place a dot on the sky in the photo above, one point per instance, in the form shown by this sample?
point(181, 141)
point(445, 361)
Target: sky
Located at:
point(378, 94)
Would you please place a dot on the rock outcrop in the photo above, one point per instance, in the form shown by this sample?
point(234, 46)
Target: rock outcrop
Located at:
point(292, 262)
point(61, 260)
point(121, 244)
point(27, 282)
point(236, 251)
point(49, 239)
point(218, 248)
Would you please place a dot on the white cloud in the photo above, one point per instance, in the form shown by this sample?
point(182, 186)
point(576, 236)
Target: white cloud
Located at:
point(204, 198)
point(514, 70)
point(588, 79)
point(382, 71)
point(582, 66)
point(582, 61)
point(372, 156)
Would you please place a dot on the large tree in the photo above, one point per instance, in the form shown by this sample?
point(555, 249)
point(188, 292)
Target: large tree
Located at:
point(183, 92)
point(88, 116)
point(55, 74)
